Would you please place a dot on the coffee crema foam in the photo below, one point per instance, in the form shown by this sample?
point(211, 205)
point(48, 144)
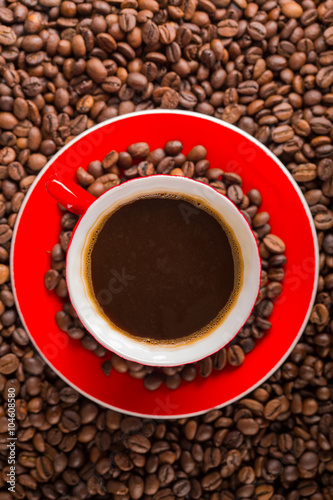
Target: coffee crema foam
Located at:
point(236, 254)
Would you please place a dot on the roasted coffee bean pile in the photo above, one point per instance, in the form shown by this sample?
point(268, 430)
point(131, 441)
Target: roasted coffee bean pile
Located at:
point(266, 66)
point(139, 161)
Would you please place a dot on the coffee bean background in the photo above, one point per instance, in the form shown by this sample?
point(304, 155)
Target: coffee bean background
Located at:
point(111, 171)
point(266, 66)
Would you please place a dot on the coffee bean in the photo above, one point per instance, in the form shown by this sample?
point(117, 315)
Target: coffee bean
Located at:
point(170, 99)
point(196, 154)
point(328, 33)
point(205, 367)
point(166, 165)
point(264, 491)
point(130, 173)
point(137, 81)
point(324, 77)
point(8, 364)
point(282, 134)
point(127, 21)
point(51, 279)
point(227, 28)
point(201, 167)
point(150, 33)
point(63, 320)
point(137, 443)
point(272, 409)
point(4, 273)
point(138, 150)
point(230, 178)
point(181, 488)
point(173, 148)
point(136, 487)
point(292, 9)
point(211, 481)
point(153, 381)
point(260, 219)
point(256, 30)
point(188, 168)
point(235, 355)
point(7, 121)
point(156, 156)
point(7, 35)
point(70, 420)
point(274, 244)
point(319, 314)
point(235, 193)
point(213, 174)
point(44, 468)
point(305, 172)
point(248, 88)
point(108, 180)
point(231, 113)
point(189, 373)
point(166, 474)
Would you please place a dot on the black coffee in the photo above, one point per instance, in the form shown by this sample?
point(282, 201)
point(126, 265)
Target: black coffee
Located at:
point(164, 269)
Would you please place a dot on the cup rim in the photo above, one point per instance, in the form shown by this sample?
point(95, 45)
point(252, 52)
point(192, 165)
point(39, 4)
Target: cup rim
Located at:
point(132, 349)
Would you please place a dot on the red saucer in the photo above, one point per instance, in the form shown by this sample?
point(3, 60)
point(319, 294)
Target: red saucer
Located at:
point(38, 227)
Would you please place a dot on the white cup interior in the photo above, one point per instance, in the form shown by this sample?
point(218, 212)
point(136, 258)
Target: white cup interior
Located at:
point(146, 353)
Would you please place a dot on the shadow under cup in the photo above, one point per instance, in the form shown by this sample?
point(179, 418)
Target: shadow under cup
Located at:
point(144, 352)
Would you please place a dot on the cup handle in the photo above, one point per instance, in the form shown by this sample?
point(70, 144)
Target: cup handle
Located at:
point(69, 194)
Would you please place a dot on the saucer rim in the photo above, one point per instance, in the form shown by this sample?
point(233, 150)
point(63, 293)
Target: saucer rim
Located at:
point(267, 152)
